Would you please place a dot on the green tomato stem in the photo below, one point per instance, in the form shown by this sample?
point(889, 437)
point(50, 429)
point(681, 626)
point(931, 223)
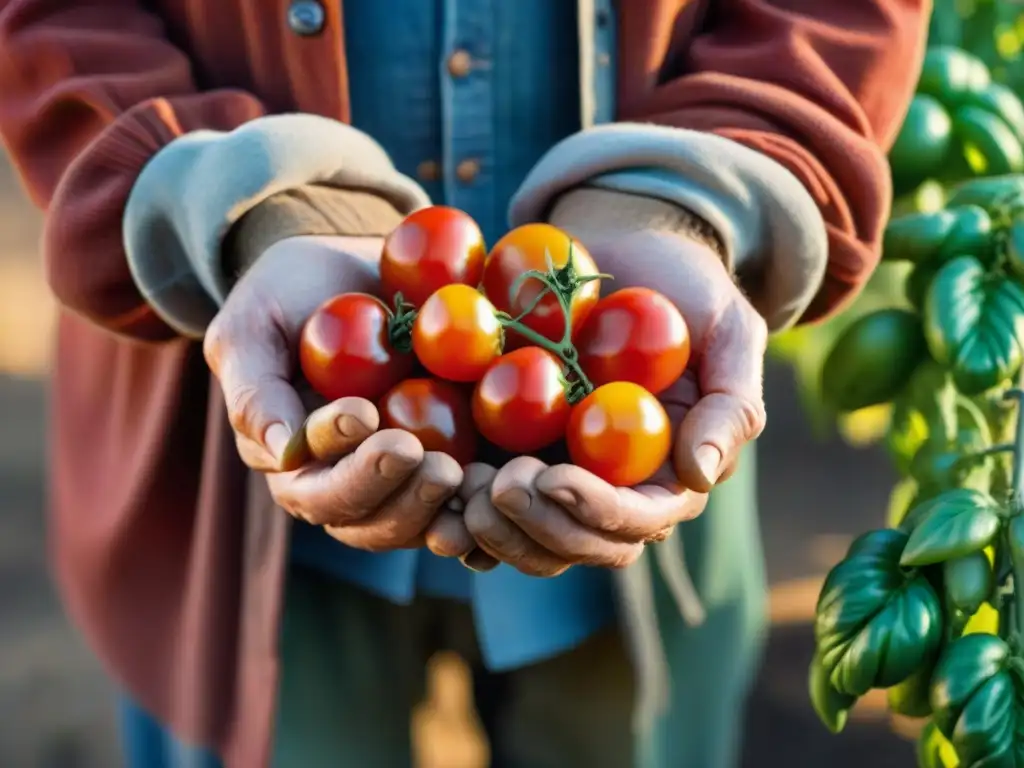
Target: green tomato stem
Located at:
point(563, 283)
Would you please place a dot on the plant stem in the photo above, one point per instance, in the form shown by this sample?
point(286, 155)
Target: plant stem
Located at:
point(1017, 487)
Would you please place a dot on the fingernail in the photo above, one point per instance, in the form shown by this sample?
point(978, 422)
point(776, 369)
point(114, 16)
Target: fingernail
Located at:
point(349, 426)
point(478, 561)
point(277, 437)
point(564, 497)
point(296, 453)
point(515, 501)
point(393, 467)
point(432, 493)
point(709, 459)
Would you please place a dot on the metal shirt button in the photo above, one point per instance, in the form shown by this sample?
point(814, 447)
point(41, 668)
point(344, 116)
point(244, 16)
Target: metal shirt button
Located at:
point(306, 17)
point(467, 170)
point(428, 170)
point(460, 64)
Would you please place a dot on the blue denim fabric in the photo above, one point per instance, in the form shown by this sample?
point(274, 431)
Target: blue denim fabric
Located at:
point(520, 97)
point(147, 744)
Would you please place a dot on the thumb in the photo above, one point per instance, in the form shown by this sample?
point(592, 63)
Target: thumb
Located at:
point(730, 412)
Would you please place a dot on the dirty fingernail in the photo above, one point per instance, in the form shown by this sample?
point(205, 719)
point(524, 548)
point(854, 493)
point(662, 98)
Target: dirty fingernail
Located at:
point(277, 438)
point(393, 467)
point(709, 459)
point(564, 497)
point(432, 493)
point(516, 501)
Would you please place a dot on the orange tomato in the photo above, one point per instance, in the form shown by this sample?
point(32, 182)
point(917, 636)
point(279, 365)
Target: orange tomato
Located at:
point(527, 248)
point(636, 335)
point(520, 403)
point(456, 334)
point(431, 248)
point(619, 432)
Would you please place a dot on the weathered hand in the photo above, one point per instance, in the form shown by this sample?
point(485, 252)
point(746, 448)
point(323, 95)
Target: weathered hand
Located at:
point(372, 490)
point(543, 519)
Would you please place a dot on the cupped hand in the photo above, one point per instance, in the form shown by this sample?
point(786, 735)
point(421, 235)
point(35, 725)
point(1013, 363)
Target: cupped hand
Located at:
point(375, 490)
point(542, 519)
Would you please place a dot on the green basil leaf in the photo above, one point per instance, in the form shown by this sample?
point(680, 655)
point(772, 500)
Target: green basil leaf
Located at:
point(956, 525)
point(831, 706)
point(968, 581)
point(910, 698)
point(964, 667)
point(1015, 538)
point(873, 359)
point(974, 323)
point(990, 193)
point(894, 643)
point(934, 750)
point(985, 732)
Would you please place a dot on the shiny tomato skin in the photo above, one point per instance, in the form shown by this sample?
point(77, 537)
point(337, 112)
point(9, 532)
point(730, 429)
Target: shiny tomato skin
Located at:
point(619, 432)
point(431, 248)
point(519, 404)
point(456, 334)
point(344, 349)
point(436, 412)
point(526, 248)
point(636, 335)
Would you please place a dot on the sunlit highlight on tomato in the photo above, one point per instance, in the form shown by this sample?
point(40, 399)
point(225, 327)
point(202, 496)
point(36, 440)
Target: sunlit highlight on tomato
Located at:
point(620, 432)
point(457, 334)
point(520, 402)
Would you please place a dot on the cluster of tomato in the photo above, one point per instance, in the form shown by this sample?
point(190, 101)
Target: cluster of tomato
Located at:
point(515, 346)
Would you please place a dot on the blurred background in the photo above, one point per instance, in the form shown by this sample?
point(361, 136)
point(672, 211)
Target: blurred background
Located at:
point(823, 480)
point(817, 492)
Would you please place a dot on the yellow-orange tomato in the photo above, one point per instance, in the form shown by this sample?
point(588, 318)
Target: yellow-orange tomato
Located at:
point(619, 432)
point(527, 248)
point(456, 334)
point(431, 248)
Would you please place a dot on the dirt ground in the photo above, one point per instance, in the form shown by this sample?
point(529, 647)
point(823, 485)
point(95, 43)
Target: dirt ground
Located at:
point(55, 705)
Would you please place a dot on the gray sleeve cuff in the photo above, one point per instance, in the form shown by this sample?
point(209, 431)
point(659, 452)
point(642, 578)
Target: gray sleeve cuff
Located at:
point(773, 233)
point(196, 188)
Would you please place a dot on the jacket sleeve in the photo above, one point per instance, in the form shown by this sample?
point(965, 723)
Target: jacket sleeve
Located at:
point(140, 174)
point(770, 119)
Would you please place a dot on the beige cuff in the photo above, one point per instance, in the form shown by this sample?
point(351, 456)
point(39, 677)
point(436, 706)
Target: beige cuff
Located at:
point(197, 188)
point(309, 210)
point(600, 210)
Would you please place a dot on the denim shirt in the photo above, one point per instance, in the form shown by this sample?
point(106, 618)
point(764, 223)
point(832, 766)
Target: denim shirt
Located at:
point(465, 96)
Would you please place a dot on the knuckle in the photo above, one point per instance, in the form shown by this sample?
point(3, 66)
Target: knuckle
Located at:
point(752, 417)
point(214, 341)
point(241, 404)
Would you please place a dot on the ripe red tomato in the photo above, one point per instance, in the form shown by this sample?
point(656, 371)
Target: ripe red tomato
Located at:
point(526, 248)
point(344, 349)
point(436, 412)
point(619, 432)
point(431, 248)
point(456, 334)
point(636, 335)
point(520, 404)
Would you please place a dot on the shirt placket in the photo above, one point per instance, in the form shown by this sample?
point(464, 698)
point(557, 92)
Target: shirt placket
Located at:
point(468, 152)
